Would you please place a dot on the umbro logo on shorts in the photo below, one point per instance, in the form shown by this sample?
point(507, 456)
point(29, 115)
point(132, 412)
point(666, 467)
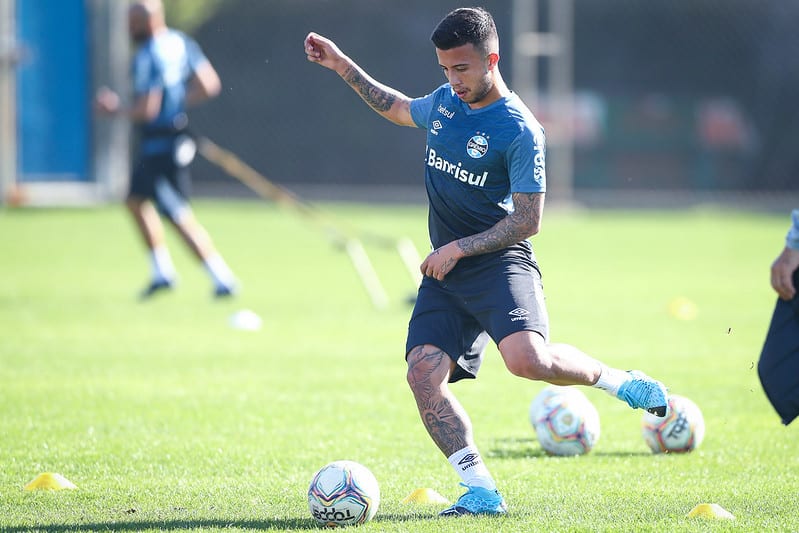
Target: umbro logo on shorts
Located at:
point(518, 314)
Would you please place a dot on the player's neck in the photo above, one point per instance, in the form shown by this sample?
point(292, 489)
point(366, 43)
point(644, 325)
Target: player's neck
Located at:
point(498, 90)
point(159, 29)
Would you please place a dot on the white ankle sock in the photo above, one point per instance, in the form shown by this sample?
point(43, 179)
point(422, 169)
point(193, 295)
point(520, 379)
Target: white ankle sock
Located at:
point(219, 271)
point(469, 465)
point(611, 379)
point(161, 264)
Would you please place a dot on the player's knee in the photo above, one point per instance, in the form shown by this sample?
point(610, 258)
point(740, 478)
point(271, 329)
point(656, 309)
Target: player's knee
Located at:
point(527, 355)
point(427, 366)
point(415, 381)
point(133, 204)
point(412, 380)
point(171, 202)
point(184, 220)
point(417, 368)
point(529, 363)
point(178, 215)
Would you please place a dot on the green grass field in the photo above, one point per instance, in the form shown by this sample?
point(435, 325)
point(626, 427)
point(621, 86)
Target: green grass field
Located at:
point(168, 419)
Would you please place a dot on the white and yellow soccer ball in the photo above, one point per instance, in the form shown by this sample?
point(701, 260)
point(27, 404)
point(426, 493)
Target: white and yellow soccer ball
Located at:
point(681, 430)
point(565, 421)
point(343, 493)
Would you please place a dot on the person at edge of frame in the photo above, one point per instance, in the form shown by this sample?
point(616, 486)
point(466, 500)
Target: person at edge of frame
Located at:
point(778, 366)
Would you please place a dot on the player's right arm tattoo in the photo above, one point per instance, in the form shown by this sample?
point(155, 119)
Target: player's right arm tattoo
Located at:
point(372, 93)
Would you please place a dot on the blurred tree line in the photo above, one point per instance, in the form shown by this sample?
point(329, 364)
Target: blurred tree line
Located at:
point(673, 95)
point(186, 15)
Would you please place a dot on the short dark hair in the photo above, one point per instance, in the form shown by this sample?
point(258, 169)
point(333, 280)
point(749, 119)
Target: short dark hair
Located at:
point(464, 25)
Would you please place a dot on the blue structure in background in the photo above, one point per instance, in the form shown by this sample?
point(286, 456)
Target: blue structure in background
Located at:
point(53, 102)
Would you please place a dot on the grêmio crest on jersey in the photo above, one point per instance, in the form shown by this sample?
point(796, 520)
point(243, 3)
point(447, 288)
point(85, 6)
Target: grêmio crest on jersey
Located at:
point(497, 148)
point(458, 167)
point(477, 146)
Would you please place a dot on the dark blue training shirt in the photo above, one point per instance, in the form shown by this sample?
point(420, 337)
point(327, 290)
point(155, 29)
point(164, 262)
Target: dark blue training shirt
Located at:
point(475, 159)
point(166, 62)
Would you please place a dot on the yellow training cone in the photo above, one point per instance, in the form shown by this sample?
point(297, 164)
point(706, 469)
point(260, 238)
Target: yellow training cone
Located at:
point(710, 510)
point(425, 496)
point(50, 481)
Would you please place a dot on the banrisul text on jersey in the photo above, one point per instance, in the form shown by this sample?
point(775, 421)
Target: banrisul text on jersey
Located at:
point(456, 170)
point(475, 160)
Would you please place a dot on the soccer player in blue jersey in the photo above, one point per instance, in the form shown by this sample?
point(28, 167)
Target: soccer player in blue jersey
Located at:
point(485, 180)
point(778, 366)
point(170, 72)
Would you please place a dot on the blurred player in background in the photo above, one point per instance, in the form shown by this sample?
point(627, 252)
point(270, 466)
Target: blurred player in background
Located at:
point(778, 367)
point(485, 181)
point(170, 73)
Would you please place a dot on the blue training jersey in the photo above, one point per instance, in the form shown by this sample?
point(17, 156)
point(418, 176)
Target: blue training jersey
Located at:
point(166, 62)
point(792, 239)
point(475, 159)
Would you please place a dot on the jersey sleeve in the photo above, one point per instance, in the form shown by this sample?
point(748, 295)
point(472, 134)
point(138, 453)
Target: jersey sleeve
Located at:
point(144, 75)
point(420, 110)
point(792, 239)
point(422, 107)
point(526, 161)
point(194, 54)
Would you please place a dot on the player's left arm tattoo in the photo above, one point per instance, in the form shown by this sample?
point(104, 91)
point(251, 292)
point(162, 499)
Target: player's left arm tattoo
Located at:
point(524, 222)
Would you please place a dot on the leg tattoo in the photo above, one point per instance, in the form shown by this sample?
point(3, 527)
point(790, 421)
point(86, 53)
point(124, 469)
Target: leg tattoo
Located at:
point(442, 415)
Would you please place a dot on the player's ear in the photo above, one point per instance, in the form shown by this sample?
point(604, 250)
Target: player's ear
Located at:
point(493, 59)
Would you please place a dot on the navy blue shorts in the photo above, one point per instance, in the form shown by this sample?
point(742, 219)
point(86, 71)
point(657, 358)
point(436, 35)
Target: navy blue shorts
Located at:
point(152, 170)
point(778, 366)
point(488, 299)
point(160, 179)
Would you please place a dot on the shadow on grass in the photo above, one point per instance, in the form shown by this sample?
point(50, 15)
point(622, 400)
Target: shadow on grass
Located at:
point(527, 448)
point(176, 525)
point(168, 525)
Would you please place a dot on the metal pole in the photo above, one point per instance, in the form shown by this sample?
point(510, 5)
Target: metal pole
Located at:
point(8, 121)
point(525, 65)
point(561, 92)
point(555, 45)
point(367, 273)
point(110, 65)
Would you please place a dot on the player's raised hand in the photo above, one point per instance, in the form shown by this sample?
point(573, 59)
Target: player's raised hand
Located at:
point(322, 50)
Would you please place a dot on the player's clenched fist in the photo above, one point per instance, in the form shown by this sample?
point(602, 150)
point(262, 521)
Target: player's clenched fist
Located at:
point(322, 50)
